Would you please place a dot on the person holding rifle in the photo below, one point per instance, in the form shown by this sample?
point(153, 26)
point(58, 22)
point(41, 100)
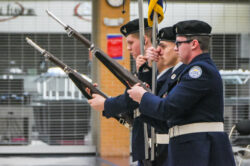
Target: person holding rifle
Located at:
point(122, 103)
point(122, 74)
point(193, 109)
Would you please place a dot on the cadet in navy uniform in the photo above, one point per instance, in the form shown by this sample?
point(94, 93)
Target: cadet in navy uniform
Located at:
point(164, 55)
point(194, 107)
point(119, 104)
point(122, 103)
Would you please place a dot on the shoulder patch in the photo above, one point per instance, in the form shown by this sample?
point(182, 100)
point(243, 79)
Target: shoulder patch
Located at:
point(195, 72)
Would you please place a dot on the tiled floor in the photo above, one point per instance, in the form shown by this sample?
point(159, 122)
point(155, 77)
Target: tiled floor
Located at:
point(65, 160)
point(62, 160)
point(77, 160)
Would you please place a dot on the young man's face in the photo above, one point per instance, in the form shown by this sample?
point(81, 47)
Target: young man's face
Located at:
point(168, 56)
point(133, 45)
point(184, 49)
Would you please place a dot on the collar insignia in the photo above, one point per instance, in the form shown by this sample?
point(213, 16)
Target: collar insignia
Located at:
point(173, 76)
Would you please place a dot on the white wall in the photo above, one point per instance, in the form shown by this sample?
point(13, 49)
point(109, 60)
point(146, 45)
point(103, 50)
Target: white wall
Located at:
point(224, 17)
point(42, 22)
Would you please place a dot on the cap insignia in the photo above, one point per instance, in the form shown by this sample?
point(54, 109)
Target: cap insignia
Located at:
point(124, 30)
point(162, 34)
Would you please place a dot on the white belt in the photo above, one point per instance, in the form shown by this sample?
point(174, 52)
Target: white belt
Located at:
point(160, 139)
point(196, 128)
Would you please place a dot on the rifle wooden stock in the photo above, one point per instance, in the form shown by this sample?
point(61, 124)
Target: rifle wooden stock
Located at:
point(78, 80)
point(82, 84)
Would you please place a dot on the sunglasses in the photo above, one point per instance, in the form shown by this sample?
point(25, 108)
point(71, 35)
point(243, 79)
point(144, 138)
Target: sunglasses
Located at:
point(178, 43)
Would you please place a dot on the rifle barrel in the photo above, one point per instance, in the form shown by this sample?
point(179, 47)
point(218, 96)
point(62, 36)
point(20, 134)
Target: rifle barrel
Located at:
point(55, 18)
point(34, 45)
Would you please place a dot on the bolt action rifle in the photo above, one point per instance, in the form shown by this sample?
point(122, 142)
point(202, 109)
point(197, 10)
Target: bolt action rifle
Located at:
point(79, 81)
point(125, 76)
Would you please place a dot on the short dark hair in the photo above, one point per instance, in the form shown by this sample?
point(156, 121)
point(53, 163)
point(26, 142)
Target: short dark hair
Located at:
point(204, 41)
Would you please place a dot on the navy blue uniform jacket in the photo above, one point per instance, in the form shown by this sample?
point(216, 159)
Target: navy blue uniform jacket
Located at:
point(123, 103)
point(193, 99)
point(163, 88)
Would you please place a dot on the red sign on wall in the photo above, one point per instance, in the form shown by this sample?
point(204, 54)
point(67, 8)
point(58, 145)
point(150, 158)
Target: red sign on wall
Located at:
point(114, 46)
